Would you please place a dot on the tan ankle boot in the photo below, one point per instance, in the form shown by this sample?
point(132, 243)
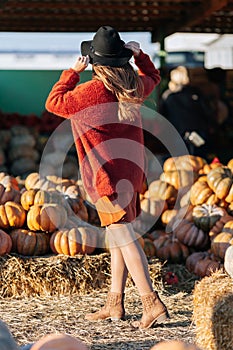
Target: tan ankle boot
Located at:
point(154, 311)
point(113, 308)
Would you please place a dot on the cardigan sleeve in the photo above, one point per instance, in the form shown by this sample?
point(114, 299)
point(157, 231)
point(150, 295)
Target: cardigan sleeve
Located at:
point(60, 99)
point(148, 73)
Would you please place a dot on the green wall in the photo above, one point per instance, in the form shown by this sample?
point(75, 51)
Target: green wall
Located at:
point(25, 91)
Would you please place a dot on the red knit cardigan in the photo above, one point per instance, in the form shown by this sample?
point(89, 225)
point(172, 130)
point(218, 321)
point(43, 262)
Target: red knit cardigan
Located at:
point(110, 152)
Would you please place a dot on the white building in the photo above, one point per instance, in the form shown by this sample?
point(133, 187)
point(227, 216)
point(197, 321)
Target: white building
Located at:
point(52, 51)
point(57, 51)
point(219, 52)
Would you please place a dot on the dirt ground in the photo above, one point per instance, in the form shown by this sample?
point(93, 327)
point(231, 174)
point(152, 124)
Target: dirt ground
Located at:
point(30, 318)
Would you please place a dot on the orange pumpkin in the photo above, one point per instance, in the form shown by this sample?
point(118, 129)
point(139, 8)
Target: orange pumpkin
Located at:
point(230, 164)
point(29, 243)
point(179, 178)
point(76, 240)
point(161, 190)
point(168, 215)
point(220, 180)
point(46, 217)
point(78, 207)
point(152, 208)
point(202, 263)
point(200, 192)
point(208, 167)
point(34, 180)
point(12, 215)
point(5, 243)
point(223, 240)
point(186, 162)
point(37, 196)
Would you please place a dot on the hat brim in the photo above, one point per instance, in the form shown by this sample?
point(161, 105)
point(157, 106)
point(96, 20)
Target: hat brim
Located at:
point(118, 61)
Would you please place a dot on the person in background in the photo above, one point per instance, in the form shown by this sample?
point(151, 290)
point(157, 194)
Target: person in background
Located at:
point(107, 130)
point(188, 111)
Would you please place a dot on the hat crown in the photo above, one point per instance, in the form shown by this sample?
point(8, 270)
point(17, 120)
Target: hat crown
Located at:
point(107, 41)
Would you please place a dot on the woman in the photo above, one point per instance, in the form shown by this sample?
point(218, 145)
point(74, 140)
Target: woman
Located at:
point(108, 135)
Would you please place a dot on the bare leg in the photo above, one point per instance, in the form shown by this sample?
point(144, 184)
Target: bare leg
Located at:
point(119, 271)
point(133, 255)
point(135, 259)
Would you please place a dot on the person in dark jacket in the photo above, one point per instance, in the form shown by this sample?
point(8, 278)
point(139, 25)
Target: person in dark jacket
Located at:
point(188, 111)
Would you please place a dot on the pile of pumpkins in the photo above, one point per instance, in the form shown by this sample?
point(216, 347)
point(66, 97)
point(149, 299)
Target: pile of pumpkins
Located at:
point(188, 211)
point(22, 152)
point(187, 215)
point(45, 215)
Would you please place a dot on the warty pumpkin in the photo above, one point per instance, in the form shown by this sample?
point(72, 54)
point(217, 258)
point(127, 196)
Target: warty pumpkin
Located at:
point(46, 217)
point(12, 215)
point(5, 243)
point(29, 243)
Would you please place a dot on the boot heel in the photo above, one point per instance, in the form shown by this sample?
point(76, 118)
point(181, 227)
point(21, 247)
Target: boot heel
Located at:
point(162, 318)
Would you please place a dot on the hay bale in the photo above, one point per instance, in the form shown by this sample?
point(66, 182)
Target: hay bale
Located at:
point(60, 274)
point(213, 312)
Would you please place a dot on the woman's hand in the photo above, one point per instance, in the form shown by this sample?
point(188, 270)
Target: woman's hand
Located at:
point(133, 46)
point(81, 63)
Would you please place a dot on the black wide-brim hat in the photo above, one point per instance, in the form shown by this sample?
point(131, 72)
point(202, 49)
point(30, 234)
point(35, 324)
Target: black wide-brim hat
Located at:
point(106, 48)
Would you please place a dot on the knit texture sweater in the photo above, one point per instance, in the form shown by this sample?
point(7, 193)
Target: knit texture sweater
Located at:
point(110, 152)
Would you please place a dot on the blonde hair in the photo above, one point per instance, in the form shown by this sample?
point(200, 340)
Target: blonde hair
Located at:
point(178, 78)
point(126, 85)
